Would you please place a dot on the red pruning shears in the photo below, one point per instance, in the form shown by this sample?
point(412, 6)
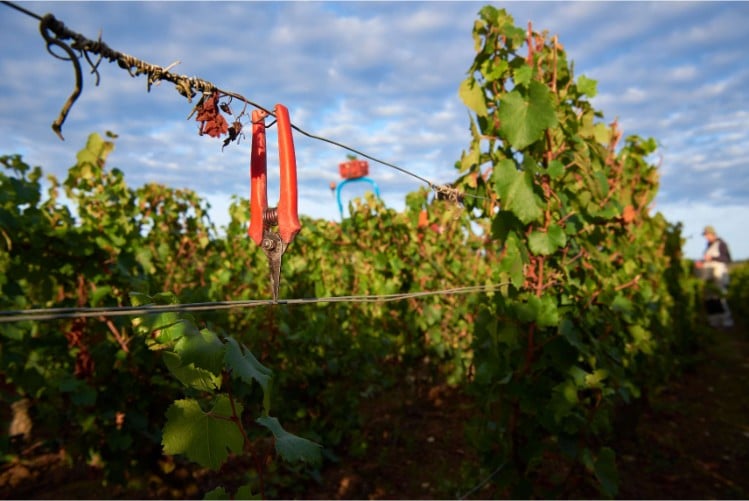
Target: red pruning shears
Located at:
point(285, 215)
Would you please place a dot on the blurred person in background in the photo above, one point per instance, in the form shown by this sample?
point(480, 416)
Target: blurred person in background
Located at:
point(714, 268)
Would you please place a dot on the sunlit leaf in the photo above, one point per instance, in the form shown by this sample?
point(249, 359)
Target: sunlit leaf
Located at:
point(525, 116)
point(515, 189)
point(204, 437)
point(473, 96)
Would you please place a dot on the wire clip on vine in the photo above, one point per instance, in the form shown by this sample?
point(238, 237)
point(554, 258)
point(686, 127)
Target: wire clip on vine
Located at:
point(284, 216)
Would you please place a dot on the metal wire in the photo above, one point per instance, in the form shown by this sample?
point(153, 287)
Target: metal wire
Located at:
point(485, 481)
point(21, 9)
point(41, 314)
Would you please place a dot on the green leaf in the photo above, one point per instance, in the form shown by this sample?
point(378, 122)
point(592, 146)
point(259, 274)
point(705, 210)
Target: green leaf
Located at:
point(542, 310)
point(548, 314)
point(494, 69)
point(245, 492)
point(204, 437)
point(291, 447)
point(470, 158)
point(556, 169)
point(515, 190)
point(472, 94)
point(216, 494)
point(587, 86)
point(524, 118)
point(170, 329)
point(80, 393)
point(512, 261)
point(203, 348)
point(246, 367)
point(100, 293)
point(602, 134)
point(606, 472)
point(594, 379)
point(547, 242)
point(523, 75)
point(139, 299)
point(95, 153)
point(191, 376)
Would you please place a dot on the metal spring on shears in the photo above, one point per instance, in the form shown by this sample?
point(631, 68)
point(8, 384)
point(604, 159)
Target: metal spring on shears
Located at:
point(270, 216)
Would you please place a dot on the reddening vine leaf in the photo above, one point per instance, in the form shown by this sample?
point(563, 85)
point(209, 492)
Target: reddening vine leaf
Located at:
point(212, 121)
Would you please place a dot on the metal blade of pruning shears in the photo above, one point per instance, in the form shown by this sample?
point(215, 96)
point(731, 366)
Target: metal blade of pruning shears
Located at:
point(274, 248)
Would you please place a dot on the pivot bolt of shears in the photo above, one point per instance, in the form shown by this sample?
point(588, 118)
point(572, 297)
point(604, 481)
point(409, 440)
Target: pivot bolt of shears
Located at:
point(268, 244)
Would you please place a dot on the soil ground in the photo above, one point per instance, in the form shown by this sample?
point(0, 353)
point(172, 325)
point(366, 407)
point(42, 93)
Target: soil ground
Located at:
point(692, 442)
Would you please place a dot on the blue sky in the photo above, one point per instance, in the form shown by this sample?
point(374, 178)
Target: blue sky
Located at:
point(382, 77)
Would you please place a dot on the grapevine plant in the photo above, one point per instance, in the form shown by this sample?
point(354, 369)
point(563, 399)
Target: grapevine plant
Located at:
point(587, 323)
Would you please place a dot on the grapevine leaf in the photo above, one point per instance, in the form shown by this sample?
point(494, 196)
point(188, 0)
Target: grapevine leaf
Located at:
point(165, 298)
point(216, 494)
point(512, 261)
point(80, 393)
point(523, 75)
point(291, 447)
point(587, 86)
point(191, 376)
point(541, 310)
point(555, 169)
point(245, 366)
point(548, 314)
point(515, 189)
point(494, 69)
point(99, 294)
point(605, 470)
point(245, 492)
point(602, 134)
point(564, 399)
point(203, 348)
point(525, 117)
point(547, 242)
point(472, 94)
point(94, 154)
point(594, 379)
point(204, 437)
point(469, 159)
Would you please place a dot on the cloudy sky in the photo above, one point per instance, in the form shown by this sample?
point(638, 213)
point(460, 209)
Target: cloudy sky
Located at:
point(383, 77)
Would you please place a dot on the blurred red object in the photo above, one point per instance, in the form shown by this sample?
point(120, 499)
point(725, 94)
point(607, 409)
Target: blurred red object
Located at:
point(353, 169)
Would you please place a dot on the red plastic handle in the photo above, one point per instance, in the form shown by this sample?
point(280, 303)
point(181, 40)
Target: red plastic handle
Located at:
point(258, 177)
point(288, 217)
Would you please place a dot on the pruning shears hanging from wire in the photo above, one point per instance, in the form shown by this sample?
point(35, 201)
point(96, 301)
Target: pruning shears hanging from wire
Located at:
point(285, 215)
